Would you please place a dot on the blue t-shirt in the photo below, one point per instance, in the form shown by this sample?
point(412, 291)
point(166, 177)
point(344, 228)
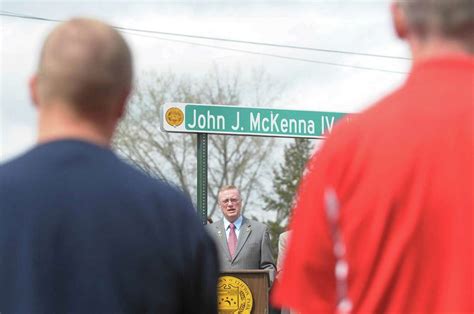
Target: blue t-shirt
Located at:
point(83, 232)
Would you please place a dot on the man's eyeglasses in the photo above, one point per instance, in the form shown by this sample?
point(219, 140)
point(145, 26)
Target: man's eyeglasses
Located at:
point(230, 200)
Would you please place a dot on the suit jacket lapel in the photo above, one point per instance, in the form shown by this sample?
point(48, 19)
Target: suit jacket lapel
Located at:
point(222, 237)
point(244, 233)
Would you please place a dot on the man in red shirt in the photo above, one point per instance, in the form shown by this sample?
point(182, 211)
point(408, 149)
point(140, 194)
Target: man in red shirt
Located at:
point(384, 215)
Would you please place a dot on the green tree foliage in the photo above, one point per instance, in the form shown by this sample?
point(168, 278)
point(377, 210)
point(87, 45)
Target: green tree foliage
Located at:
point(286, 178)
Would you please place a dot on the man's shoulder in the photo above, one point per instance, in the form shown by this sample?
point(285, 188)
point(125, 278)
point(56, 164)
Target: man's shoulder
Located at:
point(245, 223)
point(134, 174)
point(16, 163)
point(65, 164)
point(254, 224)
point(373, 116)
point(215, 225)
point(352, 133)
point(215, 228)
point(246, 220)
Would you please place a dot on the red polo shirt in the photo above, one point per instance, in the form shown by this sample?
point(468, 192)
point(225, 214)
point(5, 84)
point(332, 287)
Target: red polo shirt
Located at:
point(402, 172)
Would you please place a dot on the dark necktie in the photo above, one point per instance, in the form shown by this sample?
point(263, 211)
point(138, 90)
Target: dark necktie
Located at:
point(232, 240)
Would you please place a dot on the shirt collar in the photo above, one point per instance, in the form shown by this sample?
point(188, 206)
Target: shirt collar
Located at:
point(237, 223)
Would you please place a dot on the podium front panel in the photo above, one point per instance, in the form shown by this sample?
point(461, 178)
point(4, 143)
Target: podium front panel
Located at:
point(233, 296)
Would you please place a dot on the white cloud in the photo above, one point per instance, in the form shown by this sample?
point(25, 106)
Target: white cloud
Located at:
point(339, 25)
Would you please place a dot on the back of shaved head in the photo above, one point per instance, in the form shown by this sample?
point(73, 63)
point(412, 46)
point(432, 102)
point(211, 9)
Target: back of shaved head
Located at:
point(86, 64)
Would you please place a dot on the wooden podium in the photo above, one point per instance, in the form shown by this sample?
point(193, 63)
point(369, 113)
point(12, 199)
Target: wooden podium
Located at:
point(258, 281)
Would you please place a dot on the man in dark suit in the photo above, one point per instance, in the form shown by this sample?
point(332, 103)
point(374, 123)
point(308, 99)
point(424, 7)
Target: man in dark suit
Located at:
point(80, 230)
point(242, 243)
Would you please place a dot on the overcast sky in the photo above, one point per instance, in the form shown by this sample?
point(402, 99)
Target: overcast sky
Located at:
point(346, 25)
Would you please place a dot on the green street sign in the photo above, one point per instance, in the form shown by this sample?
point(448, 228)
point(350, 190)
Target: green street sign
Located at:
point(196, 118)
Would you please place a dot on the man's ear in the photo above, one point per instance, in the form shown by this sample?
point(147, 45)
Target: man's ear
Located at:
point(33, 86)
point(122, 106)
point(399, 20)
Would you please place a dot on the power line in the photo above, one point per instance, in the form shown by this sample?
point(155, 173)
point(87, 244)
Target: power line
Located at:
point(127, 31)
point(12, 14)
point(263, 43)
point(268, 54)
point(229, 49)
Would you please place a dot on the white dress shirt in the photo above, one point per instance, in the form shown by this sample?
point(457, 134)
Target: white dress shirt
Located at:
point(237, 224)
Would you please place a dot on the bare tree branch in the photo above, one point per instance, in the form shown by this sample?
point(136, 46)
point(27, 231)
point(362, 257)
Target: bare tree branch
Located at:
point(235, 160)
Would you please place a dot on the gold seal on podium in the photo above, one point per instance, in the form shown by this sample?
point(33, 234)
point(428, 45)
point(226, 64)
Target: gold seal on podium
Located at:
point(233, 296)
point(174, 116)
